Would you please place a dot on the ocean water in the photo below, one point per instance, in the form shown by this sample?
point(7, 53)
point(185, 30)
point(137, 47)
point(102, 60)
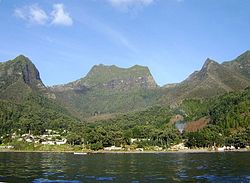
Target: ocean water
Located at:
point(131, 168)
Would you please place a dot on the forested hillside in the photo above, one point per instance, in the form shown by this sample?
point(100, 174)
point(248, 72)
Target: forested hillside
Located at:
point(210, 108)
point(229, 125)
point(230, 122)
point(34, 115)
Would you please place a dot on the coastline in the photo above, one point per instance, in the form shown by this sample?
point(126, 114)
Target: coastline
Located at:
point(127, 152)
point(168, 151)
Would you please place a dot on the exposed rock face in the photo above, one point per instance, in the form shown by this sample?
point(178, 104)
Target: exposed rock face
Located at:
point(112, 78)
point(30, 74)
point(110, 89)
point(19, 76)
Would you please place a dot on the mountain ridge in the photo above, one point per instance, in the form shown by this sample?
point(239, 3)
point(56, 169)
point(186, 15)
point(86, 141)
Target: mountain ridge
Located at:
point(112, 77)
point(110, 89)
point(211, 80)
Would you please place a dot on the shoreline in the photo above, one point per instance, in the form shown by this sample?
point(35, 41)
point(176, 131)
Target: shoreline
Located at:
point(128, 152)
point(168, 152)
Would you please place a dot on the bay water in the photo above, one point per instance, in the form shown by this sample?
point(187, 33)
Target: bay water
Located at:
point(132, 168)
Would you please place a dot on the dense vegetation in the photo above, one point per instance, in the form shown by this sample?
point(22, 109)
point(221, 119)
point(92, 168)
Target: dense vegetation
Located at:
point(150, 128)
point(27, 106)
point(34, 115)
point(230, 122)
point(96, 102)
point(229, 114)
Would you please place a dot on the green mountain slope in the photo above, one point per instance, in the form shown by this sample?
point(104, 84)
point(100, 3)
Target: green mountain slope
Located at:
point(240, 65)
point(25, 102)
point(109, 89)
point(26, 105)
point(213, 79)
point(227, 120)
point(35, 114)
point(230, 122)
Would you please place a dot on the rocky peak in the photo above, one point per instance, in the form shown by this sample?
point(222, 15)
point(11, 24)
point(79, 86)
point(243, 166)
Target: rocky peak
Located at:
point(209, 67)
point(31, 75)
point(113, 78)
point(208, 64)
point(22, 58)
point(21, 68)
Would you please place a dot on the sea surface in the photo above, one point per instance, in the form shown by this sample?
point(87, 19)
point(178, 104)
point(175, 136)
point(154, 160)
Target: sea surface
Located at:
point(131, 168)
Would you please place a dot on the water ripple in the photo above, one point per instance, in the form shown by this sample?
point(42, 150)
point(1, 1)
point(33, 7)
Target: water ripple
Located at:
point(41, 180)
point(223, 179)
point(105, 178)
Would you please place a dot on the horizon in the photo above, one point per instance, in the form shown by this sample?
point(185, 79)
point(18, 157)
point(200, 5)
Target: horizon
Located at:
point(172, 38)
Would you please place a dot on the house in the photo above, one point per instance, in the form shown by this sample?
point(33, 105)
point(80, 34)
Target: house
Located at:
point(220, 149)
point(112, 148)
point(48, 143)
point(138, 140)
point(61, 142)
point(6, 147)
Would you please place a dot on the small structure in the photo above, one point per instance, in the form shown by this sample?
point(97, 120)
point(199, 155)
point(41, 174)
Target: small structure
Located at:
point(230, 148)
point(6, 147)
point(80, 153)
point(49, 143)
point(61, 142)
point(112, 148)
point(221, 149)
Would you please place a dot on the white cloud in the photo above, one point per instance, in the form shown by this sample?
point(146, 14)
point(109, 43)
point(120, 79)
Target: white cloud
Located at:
point(33, 14)
point(38, 15)
point(130, 4)
point(59, 16)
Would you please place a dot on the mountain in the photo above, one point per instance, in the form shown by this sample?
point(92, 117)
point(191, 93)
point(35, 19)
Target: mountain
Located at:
point(25, 102)
point(112, 78)
point(213, 79)
point(18, 78)
point(27, 105)
point(240, 65)
point(109, 89)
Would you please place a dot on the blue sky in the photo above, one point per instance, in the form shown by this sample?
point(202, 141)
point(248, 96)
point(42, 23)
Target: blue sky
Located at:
point(65, 38)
